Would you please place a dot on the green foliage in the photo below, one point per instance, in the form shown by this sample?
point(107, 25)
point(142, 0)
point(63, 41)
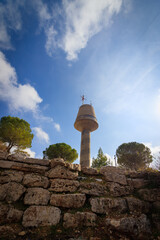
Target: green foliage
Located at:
point(101, 160)
point(61, 150)
point(15, 132)
point(134, 155)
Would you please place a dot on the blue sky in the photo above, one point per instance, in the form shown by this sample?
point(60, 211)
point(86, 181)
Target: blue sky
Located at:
point(52, 52)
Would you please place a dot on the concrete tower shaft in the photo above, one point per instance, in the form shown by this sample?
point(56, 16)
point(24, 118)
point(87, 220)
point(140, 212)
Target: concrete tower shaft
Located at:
point(86, 122)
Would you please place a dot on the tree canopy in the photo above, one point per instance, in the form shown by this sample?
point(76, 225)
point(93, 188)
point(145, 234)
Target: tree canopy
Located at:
point(61, 150)
point(134, 155)
point(101, 160)
point(15, 132)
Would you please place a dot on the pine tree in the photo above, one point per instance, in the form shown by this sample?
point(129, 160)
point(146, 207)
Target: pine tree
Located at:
point(101, 160)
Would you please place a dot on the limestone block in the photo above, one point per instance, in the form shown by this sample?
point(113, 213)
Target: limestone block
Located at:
point(117, 205)
point(68, 200)
point(17, 158)
point(135, 227)
point(117, 178)
point(74, 167)
point(109, 169)
point(156, 221)
point(89, 171)
point(3, 155)
point(79, 219)
point(108, 205)
point(114, 174)
point(154, 179)
point(117, 190)
point(14, 215)
point(96, 238)
point(3, 213)
point(93, 188)
point(30, 168)
point(57, 161)
point(130, 183)
point(136, 205)
point(7, 232)
point(3, 192)
point(10, 175)
point(156, 206)
point(139, 183)
point(62, 172)
point(9, 214)
point(150, 195)
point(11, 192)
point(35, 180)
point(63, 185)
point(99, 205)
point(135, 174)
point(41, 216)
point(43, 162)
point(36, 196)
point(6, 164)
point(22, 166)
point(60, 161)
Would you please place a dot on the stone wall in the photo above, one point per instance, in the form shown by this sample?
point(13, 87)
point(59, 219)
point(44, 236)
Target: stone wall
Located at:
point(42, 199)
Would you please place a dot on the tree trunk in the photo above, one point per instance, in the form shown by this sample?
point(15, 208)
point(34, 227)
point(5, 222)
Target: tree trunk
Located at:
point(9, 147)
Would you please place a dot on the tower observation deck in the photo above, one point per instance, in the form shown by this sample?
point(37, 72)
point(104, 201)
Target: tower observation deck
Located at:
point(86, 122)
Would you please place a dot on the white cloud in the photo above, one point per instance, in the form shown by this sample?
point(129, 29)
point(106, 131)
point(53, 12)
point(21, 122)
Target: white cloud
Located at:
point(47, 23)
point(50, 33)
point(18, 97)
point(40, 134)
point(155, 150)
point(40, 117)
point(84, 19)
point(111, 158)
point(10, 19)
point(57, 127)
point(39, 156)
point(42, 11)
point(30, 152)
point(125, 86)
point(127, 6)
point(79, 21)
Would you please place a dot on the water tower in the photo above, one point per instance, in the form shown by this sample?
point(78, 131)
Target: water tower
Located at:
point(86, 122)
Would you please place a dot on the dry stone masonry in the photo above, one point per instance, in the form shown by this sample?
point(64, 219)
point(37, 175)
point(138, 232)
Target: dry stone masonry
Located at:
point(52, 199)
